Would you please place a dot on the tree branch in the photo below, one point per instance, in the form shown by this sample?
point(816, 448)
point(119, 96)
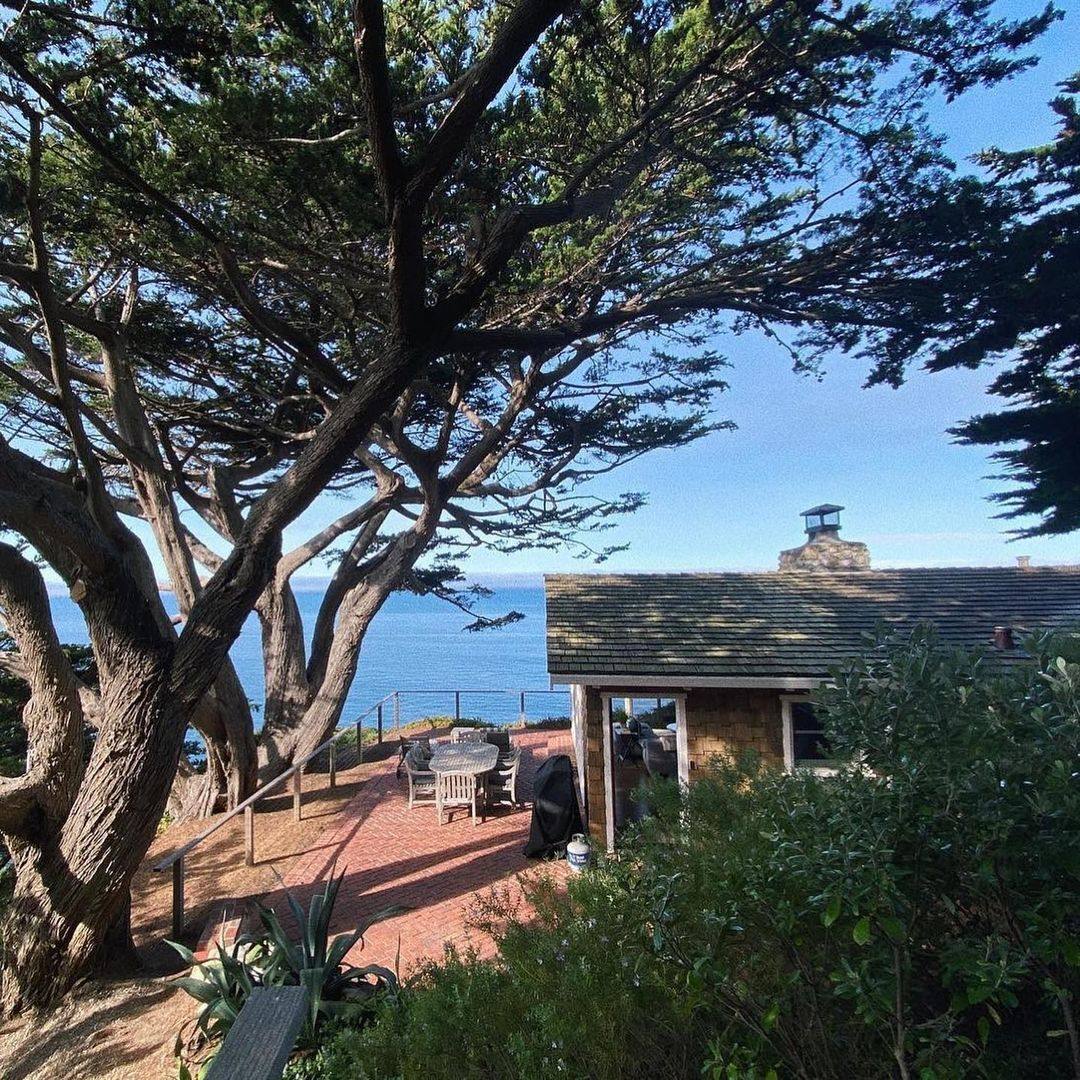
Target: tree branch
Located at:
point(356, 517)
point(519, 32)
point(369, 41)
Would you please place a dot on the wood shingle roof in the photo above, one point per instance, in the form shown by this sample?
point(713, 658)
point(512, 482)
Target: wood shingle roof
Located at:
point(785, 625)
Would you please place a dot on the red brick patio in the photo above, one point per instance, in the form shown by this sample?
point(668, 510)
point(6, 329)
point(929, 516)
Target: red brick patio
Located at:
point(392, 855)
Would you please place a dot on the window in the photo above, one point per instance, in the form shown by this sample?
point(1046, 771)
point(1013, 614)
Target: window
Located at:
point(805, 744)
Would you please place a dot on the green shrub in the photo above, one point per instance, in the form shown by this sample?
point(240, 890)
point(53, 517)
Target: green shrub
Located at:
point(564, 1000)
point(463, 722)
point(549, 723)
point(915, 915)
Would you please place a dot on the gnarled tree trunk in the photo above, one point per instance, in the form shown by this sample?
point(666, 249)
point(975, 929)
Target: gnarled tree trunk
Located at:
point(76, 833)
point(223, 719)
point(72, 884)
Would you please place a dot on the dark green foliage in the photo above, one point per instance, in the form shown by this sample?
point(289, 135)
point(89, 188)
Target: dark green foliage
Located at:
point(1000, 262)
point(914, 915)
point(572, 996)
point(549, 723)
point(759, 152)
point(464, 722)
point(1028, 306)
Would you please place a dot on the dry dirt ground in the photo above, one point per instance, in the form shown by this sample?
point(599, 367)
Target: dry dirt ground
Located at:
point(124, 1029)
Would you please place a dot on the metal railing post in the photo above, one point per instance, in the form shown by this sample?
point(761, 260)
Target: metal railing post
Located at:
point(333, 765)
point(457, 704)
point(297, 787)
point(380, 721)
point(521, 709)
point(178, 898)
point(249, 835)
point(397, 713)
point(359, 742)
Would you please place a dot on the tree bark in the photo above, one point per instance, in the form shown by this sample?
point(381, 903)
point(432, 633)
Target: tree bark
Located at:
point(76, 834)
point(223, 718)
point(72, 887)
point(288, 691)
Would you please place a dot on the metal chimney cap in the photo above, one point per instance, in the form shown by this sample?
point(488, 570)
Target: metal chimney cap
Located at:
point(824, 508)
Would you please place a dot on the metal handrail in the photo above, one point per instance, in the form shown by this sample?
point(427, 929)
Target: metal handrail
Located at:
point(175, 861)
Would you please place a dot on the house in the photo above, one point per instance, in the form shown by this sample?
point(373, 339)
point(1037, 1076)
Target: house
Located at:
point(727, 660)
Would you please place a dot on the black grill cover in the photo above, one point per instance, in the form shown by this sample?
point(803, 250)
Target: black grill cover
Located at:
point(555, 815)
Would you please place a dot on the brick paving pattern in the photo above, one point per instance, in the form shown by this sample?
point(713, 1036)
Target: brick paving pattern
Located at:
point(392, 855)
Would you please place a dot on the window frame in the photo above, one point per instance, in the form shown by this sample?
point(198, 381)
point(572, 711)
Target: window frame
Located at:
point(682, 749)
point(821, 768)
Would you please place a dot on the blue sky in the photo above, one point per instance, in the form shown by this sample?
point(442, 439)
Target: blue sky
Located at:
point(732, 500)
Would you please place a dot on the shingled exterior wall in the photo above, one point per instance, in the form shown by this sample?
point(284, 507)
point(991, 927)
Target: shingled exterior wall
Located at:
point(730, 721)
point(594, 765)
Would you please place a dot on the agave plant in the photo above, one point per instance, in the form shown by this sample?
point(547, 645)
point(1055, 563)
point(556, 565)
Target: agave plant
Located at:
point(269, 957)
point(316, 961)
point(222, 984)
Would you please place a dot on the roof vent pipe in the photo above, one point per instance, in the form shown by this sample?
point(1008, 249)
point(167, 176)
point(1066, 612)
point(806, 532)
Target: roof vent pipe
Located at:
point(1003, 638)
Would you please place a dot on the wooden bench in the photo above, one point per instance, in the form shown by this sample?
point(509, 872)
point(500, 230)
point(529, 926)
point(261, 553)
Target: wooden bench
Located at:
point(262, 1036)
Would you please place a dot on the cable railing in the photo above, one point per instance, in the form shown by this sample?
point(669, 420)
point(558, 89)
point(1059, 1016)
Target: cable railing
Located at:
point(293, 776)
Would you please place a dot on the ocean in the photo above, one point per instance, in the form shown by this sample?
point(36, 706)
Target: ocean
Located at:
point(418, 645)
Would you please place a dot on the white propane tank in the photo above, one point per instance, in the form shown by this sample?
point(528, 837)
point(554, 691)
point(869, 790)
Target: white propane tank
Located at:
point(577, 852)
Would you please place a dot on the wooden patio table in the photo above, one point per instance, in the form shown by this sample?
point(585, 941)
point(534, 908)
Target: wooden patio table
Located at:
point(473, 759)
point(468, 758)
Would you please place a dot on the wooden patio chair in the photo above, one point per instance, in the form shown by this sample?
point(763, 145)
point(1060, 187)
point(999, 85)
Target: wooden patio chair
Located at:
point(454, 790)
point(423, 753)
point(422, 781)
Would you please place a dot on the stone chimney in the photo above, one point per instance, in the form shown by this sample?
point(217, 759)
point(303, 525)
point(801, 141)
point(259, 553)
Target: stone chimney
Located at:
point(824, 550)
